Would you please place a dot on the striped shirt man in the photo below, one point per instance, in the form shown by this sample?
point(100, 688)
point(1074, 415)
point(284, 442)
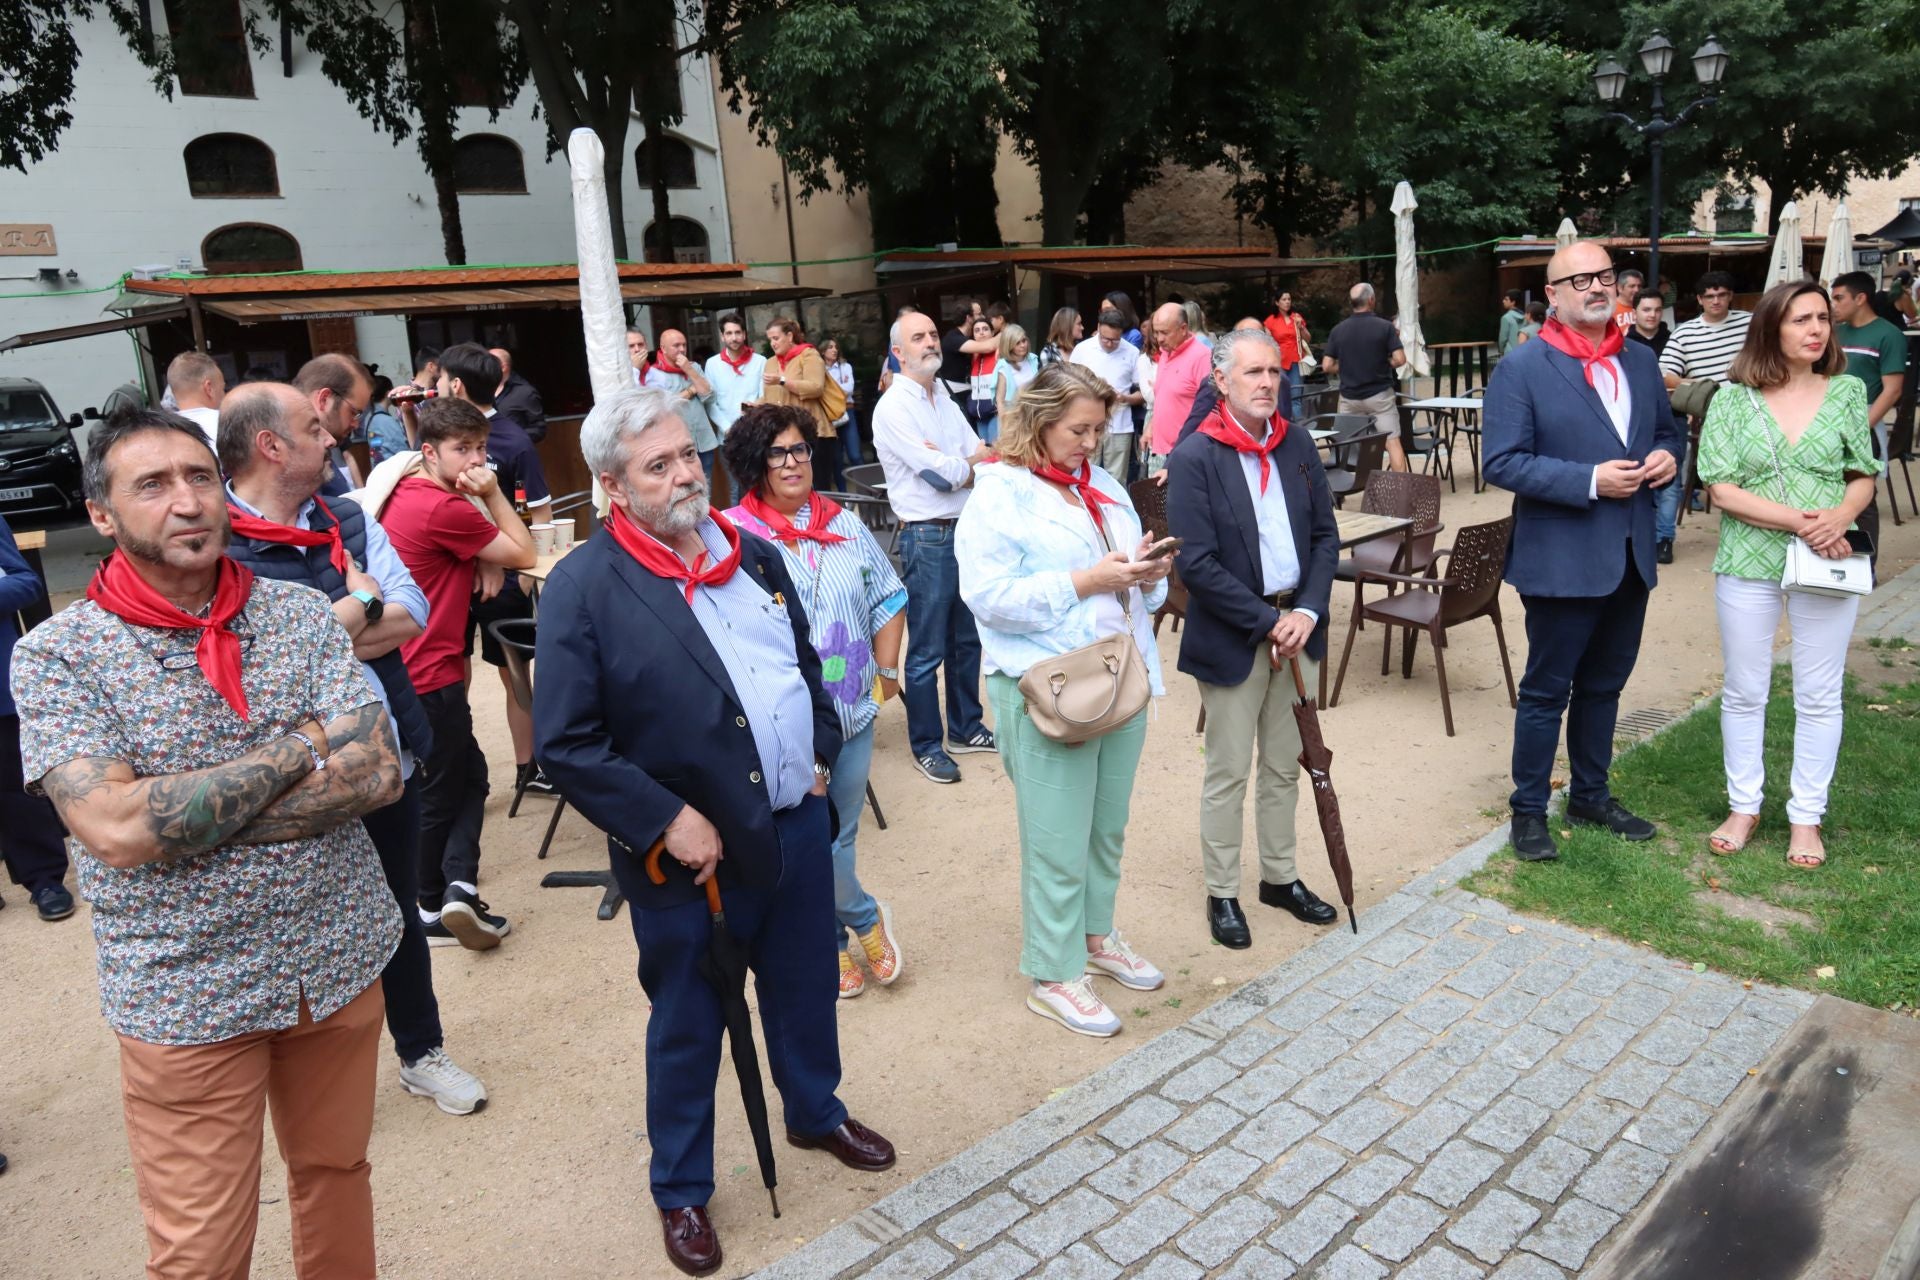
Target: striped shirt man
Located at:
point(1700, 350)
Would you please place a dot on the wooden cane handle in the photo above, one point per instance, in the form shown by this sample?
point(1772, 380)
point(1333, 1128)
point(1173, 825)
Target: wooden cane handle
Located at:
point(655, 874)
point(1299, 681)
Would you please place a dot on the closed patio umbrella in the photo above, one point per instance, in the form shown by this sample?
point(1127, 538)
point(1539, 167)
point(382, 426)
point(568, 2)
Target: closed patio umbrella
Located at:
point(1837, 259)
point(1787, 256)
point(1567, 233)
point(1406, 283)
point(603, 315)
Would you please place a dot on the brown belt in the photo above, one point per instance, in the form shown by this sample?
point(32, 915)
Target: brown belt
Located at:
point(1282, 600)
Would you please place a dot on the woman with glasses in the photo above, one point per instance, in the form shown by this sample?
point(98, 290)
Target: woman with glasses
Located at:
point(856, 607)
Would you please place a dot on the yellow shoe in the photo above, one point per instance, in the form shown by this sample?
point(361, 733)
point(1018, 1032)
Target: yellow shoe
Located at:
point(883, 949)
point(852, 981)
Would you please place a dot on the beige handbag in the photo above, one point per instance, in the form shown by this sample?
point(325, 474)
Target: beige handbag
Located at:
point(1082, 693)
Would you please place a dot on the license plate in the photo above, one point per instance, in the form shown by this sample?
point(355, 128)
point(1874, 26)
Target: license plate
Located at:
point(15, 495)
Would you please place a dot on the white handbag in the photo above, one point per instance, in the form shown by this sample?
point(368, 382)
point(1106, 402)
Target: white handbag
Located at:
point(1807, 571)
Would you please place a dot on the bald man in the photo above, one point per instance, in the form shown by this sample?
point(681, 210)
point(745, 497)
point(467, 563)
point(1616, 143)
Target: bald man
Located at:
point(1579, 428)
point(1185, 365)
point(673, 372)
point(518, 398)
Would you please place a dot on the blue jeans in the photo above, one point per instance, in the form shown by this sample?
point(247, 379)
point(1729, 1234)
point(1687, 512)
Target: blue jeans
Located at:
point(940, 632)
point(990, 429)
point(849, 428)
point(853, 906)
point(1666, 502)
point(1292, 377)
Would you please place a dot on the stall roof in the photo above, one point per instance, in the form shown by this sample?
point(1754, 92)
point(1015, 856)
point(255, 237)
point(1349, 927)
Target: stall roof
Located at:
point(1904, 229)
point(117, 324)
point(919, 259)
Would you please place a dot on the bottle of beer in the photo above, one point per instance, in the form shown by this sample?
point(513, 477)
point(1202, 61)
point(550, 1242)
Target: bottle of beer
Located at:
point(520, 503)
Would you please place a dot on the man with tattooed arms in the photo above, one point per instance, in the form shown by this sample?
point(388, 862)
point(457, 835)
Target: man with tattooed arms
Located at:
point(212, 743)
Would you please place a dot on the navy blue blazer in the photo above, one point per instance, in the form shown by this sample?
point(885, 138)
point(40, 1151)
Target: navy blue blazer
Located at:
point(1209, 508)
point(1545, 431)
point(19, 589)
point(636, 717)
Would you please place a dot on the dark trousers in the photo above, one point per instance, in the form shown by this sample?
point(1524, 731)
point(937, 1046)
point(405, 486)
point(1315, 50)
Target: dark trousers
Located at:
point(1580, 651)
point(413, 1014)
point(453, 796)
point(940, 631)
point(32, 839)
point(826, 463)
point(788, 933)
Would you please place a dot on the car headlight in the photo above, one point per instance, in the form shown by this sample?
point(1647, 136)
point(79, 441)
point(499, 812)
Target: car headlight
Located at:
point(64, 449)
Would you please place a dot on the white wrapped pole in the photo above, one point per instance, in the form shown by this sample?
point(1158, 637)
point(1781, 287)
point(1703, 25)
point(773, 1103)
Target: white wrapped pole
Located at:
point(1785, 263)
point(1837, 259)
point(1406, 284)
point(602, 316)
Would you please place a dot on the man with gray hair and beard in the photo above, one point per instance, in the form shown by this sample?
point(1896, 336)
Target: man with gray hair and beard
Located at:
point(681, 711)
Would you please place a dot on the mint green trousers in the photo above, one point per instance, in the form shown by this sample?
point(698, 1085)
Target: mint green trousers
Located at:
point(1072, 804)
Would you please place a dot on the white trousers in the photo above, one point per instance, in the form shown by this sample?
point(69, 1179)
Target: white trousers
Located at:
point(1822, 626)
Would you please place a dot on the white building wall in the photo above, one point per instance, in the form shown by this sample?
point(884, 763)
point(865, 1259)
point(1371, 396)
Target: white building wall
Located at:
point(116, 195)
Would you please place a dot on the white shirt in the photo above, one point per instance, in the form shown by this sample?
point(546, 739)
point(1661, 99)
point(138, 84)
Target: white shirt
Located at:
point(1120, 367)
point(1619, 407)
point(909, 419)
point(842, 374)
point(731, 389)
point(1279, 562)
point(208, 420)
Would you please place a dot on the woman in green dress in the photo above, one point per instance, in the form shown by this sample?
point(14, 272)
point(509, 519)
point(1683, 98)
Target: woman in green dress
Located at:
point(1786, 453)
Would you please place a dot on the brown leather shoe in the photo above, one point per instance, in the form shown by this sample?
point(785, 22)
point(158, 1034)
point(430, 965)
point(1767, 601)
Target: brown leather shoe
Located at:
point(852, 1144)
point(692, 1244)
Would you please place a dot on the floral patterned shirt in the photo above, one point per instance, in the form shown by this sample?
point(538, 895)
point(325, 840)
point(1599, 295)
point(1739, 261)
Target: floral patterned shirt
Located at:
point(1812, 472)
point(849, 590)
point(223, 943)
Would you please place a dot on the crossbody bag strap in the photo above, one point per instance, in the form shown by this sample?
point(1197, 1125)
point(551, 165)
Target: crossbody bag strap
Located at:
point(1773, 450)
point(1100, 527)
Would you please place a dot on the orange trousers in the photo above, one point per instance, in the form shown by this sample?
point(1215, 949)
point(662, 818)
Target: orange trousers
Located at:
point(194, 1115)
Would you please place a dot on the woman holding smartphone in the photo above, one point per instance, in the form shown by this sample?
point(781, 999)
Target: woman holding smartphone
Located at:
point(1052, 558)
point(1786, 453)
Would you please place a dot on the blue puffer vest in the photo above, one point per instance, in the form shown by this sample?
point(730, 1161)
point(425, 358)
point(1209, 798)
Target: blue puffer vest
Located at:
point(311, 565)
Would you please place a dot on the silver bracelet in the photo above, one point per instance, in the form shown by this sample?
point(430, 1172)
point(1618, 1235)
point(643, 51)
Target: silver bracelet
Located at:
point(319, 761)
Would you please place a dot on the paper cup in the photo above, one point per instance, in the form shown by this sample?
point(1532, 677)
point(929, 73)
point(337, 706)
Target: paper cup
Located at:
point(543, 539)
point(562, 534)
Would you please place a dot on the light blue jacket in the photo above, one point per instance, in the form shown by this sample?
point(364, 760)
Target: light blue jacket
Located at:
point(1018, 544)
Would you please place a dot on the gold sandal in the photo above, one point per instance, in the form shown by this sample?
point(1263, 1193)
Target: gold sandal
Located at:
point(1808, 859)
point(1722, 845)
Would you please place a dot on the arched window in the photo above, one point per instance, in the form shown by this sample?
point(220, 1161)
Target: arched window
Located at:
point(488, 164)
point(230, 164)
point(676, 158)
point(249, 247)
point(689, 240)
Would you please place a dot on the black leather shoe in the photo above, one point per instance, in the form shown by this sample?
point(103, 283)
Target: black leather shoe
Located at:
point(1229, 923)
point(1531, 839)
point(1663, 551)
point(1615, 817)
point(1294, 896)
point(692, 1244)
point(852, 1144)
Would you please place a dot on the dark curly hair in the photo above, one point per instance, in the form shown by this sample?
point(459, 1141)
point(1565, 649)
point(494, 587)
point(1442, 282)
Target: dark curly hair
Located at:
point(753, 433)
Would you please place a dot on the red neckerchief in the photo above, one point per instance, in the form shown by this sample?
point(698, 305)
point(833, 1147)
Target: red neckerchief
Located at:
point(787, 357)
point(656, 558)
point(979, 369)
point(121, 591)
point(673, 370)
point(261, 529)
point(1221, 426)
point(784, 530)
point(1568, 342)
point(746, 357)
point(1091, 498)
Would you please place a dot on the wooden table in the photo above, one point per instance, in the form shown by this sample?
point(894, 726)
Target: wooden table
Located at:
point(1451, 409)
point(543, 565)
point(31, 543)
point(1362, 526)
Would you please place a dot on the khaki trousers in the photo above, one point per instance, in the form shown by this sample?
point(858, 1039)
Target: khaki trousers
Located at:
point(1257, 712)
point(194, 1125)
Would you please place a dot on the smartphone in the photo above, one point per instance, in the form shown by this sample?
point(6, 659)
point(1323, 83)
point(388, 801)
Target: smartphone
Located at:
point(1162, 549)
point(1860, 541)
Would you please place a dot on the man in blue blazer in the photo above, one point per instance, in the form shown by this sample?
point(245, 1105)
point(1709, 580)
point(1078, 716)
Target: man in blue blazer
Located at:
point(1579, 428)
point(680, 701)
point(1249, 499)
point(32, 841)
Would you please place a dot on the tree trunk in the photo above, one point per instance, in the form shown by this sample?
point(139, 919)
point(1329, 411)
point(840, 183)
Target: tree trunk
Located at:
point(613, 140)
point(1779, 192)
point(435, 141)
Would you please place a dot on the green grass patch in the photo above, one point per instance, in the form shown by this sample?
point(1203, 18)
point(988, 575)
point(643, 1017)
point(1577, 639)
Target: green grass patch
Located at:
point(1752, 914)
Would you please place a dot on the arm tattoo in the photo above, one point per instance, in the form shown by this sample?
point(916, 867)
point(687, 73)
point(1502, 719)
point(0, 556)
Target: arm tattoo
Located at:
point(194, 812)
point(362, 774)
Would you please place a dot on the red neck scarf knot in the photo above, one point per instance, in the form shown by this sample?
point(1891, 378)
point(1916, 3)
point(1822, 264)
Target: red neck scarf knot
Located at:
point(823, 510)
point(121, 591)
point(1222, 426)
point(260, 529)
point(659, 559)
point(1082, 484)
point(1570, 342)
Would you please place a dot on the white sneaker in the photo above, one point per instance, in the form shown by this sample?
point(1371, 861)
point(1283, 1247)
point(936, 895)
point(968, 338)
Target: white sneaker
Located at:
point(435, 1076)
point(1120, 962)
point(1074, 1006)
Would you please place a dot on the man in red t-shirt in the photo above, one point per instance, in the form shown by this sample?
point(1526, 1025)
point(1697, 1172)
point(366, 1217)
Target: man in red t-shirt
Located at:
point(442, 536)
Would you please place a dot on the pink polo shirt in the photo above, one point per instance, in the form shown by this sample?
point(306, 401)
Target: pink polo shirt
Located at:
point(1181, 372)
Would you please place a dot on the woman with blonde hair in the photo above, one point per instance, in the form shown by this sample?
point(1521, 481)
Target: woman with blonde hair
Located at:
point(1052, 558)
point(1062, 336)
point(1787, 454)
point(1016, 368)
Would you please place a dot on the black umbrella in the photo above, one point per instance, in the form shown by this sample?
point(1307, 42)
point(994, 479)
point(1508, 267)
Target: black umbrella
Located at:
point(725, 966)
point(1317, 758)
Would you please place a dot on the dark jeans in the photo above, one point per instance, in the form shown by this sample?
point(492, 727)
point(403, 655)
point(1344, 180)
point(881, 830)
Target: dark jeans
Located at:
point(826, 464)
point(788, 935)
point(413, 1014)
point(453, 796)
point(1580, 651)
point(32, 839)
point(940, 632)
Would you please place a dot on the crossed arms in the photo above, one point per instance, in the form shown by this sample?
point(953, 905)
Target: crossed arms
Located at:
point(272, 793)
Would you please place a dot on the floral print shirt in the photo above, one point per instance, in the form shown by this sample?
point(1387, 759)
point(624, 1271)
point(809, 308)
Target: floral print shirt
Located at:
point(849, 590)
point(223, 943)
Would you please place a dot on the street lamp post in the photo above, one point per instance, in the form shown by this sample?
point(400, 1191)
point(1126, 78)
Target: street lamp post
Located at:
point(1656, 55)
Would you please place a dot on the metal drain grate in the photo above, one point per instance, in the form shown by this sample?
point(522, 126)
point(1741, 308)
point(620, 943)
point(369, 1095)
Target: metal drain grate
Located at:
point(1643, 723)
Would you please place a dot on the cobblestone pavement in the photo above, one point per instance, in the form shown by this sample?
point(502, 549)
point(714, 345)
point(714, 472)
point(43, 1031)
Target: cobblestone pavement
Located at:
point(1457, 1092)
